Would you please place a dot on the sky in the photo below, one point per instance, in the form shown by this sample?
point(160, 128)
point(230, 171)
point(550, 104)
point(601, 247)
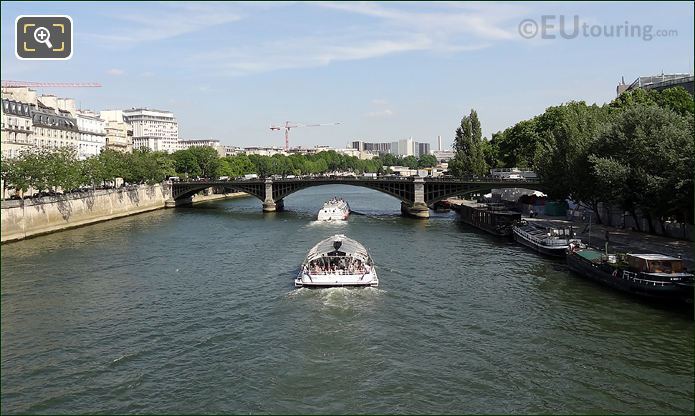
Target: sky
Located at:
point(384, 70)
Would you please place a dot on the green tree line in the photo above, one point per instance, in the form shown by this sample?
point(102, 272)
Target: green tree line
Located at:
point(636, 152)
point(42, 169)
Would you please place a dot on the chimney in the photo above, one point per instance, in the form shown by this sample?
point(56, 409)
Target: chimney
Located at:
point(439, 143)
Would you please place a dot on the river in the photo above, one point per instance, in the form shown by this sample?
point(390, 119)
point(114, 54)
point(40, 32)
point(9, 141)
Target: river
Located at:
point(192, 310)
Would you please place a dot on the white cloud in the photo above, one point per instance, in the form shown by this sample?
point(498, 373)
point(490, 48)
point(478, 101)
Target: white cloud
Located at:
point(115, 72)
point(304, 52)
point(168, 21)
point(438, 28)
point(484, 21)
point(444, 28)
point(382, 110)
point(380, 113)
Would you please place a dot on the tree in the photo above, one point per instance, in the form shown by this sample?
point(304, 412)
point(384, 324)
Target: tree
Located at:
point(427, 161)
point(91, 168)
point(207, 159)
point(676, 99)
point(114, 165)
point(469, 159)
point(390, 160)
point(410, 162)
point(653, 148)
point(517, 145)
point(13, 174)
point(66, 171)
point(186, 163)
point(490, 149)
point(567, 134)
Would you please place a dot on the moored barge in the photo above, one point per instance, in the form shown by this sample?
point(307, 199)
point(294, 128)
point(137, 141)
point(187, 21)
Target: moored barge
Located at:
point(494, 218)
point(550, 241)
point(653, 276)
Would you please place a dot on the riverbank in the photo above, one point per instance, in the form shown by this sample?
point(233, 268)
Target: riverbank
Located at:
point(215, 197)
point(619, 240)
point(32, 217)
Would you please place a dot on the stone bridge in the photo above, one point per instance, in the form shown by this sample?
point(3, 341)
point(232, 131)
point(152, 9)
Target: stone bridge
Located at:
point(415, 194)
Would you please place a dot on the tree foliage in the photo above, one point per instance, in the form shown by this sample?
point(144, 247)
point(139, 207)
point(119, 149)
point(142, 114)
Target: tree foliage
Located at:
point(636, 152)
point(468, 145)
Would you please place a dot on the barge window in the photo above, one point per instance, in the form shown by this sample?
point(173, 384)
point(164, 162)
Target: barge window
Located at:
point(664, 266)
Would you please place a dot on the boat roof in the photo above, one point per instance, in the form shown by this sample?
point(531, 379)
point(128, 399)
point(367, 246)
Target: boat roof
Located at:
point(347, 245)
point(653, 256)
point(590, 254)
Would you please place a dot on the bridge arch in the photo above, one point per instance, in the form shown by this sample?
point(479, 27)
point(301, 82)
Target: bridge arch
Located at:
point(415, 194)
point(184, 191)
point(399, 189)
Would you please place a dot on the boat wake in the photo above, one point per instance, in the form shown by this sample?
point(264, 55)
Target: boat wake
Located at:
point(328, 224)
point(338, 297)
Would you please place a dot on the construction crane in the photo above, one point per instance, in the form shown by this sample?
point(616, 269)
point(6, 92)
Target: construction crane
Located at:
point(31, 84)
point(288, 126)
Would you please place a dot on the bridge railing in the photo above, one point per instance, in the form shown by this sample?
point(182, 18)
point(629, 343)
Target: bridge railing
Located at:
point(345, 179)
point(477, 179)
point(366, 178)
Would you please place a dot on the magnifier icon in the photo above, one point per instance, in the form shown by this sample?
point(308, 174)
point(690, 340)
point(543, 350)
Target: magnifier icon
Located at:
point(42, 35)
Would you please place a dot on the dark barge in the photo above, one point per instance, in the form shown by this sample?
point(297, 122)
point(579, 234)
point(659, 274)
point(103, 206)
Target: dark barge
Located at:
point(494, 218)
point(652, 276)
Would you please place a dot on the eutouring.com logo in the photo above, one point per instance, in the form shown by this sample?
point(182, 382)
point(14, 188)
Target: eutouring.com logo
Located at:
point(565, 27)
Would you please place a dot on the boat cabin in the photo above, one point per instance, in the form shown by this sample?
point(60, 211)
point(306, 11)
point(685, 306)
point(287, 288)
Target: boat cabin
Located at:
point(338, 255)
point(654, 263)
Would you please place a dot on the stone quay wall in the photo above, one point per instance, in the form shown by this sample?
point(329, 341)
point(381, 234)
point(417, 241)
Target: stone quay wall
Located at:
point(29, 217)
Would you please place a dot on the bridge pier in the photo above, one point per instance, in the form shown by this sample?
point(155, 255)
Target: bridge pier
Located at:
point(418, 209)
point(272, 206)
point(172, 203)
point(269, 204)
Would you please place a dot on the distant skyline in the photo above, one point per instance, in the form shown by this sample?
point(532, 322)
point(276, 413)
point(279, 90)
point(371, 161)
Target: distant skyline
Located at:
point(386, 71)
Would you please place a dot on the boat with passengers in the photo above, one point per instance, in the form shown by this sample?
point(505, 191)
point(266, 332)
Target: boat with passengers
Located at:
point(337, 261)
point(335, 209)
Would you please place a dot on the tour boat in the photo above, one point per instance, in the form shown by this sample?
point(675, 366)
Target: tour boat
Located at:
point(337, 261)
point(335, 209)
point(549, 241)
point(654, 276)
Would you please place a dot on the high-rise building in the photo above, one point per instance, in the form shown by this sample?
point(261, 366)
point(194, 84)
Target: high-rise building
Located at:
point(380, 148)
point(423, 149)
point(405, 147)
point(154, 129)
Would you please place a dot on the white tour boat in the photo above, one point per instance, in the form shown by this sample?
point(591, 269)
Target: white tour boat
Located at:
point(335, 209)
point(337, 261)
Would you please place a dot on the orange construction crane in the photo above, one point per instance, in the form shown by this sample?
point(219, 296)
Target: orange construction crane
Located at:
point(288, 125)
point(31, 84)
